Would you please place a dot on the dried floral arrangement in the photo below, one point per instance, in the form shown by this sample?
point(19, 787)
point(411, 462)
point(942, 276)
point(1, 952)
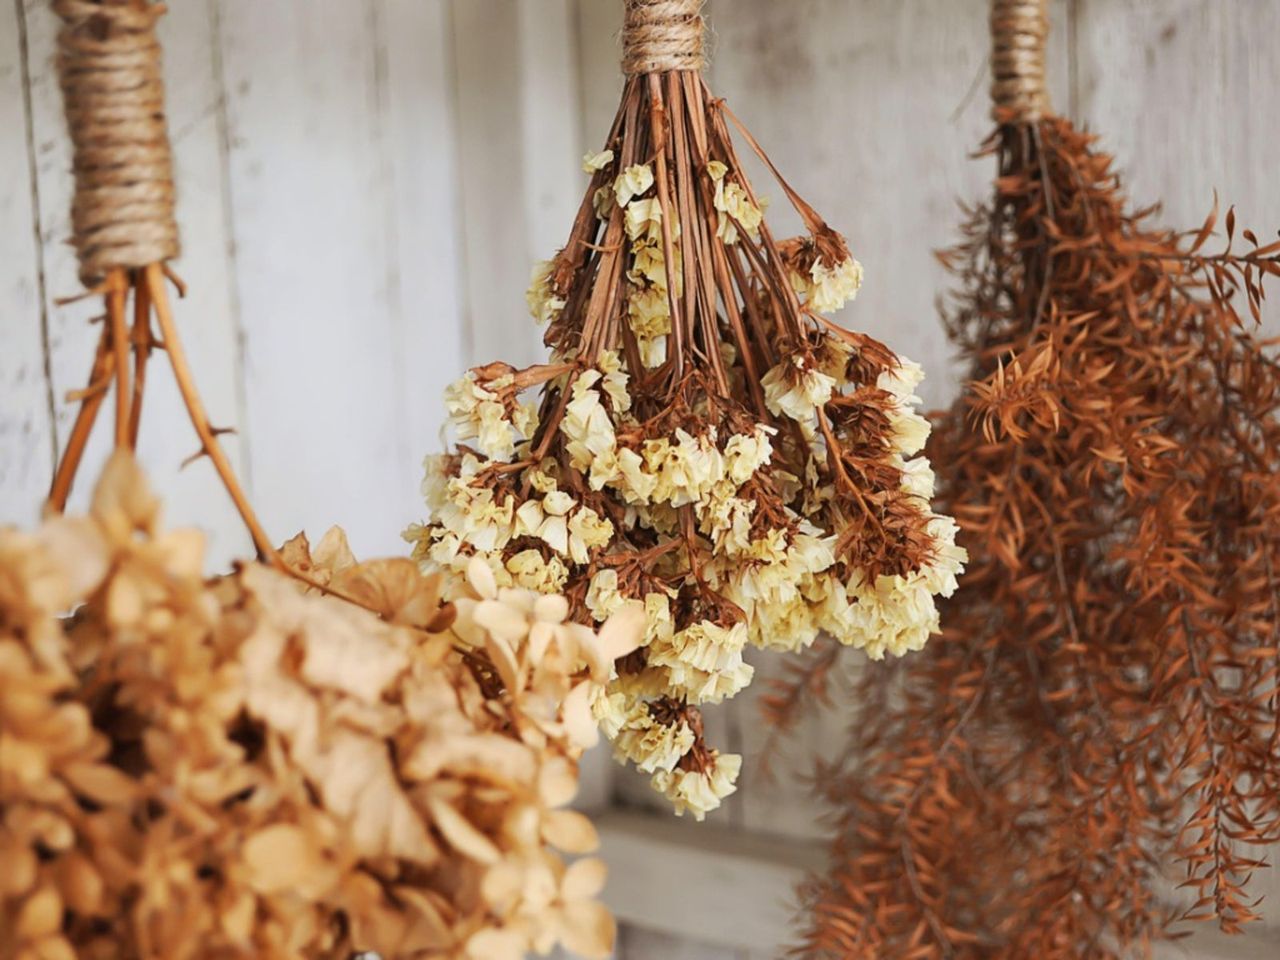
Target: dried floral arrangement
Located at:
point(236, 768)
point(306, 758)
point(1099, 723)
point(707, 443)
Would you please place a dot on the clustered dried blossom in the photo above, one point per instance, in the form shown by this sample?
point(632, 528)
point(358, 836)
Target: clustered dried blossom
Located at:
point(1099, 723)
point(707, 445)
point(238, 768)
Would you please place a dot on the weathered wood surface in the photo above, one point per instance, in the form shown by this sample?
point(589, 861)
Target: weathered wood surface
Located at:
point(27, 440)
point(365, 184)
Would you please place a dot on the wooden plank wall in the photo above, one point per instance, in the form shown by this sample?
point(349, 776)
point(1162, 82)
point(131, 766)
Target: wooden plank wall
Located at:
point(364, 185)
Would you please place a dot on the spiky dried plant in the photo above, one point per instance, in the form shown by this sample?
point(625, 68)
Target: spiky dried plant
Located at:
point(1099, 722)
point(707, 444)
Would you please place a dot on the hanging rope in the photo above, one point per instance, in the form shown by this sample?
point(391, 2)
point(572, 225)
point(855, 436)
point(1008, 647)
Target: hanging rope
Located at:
point(1019, 31)
point(109, 68)
point(123, 226)
point(662, 35)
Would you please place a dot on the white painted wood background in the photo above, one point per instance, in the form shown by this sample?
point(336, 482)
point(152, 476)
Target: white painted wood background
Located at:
point(364, 185)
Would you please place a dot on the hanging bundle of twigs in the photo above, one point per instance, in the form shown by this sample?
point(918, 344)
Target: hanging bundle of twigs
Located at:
point(310, 758)
point(1099, 723)
point(708, 443)
point(123, 226)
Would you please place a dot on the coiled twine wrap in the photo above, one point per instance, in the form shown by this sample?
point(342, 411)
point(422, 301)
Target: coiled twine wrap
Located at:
point(110, 72)
point(1019, 32)
point(662, 35)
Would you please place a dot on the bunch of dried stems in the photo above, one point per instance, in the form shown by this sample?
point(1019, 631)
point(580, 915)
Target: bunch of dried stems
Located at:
point(708, 444)
point(1099, 723)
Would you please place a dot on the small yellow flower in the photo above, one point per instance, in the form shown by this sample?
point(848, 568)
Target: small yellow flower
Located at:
point(544, 305)
point(696, 792)
point(632, 182)
point(596, 161)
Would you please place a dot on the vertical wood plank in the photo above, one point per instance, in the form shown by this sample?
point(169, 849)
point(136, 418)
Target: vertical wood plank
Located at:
point(487, 65)
point(550, 125)
point(599, 55)
point(310, 200)
point(519, 149)
point(27, 441)
point(423, 220)
point(193, 496)
point(519, 143)
point(206, 318)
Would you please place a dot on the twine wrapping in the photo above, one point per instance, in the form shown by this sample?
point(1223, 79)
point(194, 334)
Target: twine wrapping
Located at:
point(662, 35)
point(109, 68)
point(1019, 31)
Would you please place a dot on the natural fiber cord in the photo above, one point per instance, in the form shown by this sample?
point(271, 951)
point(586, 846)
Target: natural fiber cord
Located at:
point(1019, 30)
point(109, 68)
point(662, 35)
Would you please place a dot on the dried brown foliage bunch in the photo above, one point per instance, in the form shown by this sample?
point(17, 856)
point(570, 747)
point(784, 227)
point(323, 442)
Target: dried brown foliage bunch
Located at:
point(1099, 722)
point(237, 768)
point(707, 444)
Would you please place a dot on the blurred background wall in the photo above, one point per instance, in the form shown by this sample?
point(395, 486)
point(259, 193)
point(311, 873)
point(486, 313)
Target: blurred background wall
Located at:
point(364, 185)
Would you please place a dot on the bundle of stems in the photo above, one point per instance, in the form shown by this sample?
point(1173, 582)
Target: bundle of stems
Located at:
point(1099, 725)
point(708, 443)
point(124, 229)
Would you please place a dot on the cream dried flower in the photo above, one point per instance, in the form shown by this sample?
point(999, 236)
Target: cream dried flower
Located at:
point(710, 447)
point(247, 767)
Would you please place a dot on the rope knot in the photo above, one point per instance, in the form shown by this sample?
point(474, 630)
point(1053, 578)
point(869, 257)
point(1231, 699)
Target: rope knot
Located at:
point(662, 35)
point(109, 69)
point(1019, 31)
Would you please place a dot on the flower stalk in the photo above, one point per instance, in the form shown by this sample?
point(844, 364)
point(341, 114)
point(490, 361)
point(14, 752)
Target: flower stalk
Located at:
point(712, 449)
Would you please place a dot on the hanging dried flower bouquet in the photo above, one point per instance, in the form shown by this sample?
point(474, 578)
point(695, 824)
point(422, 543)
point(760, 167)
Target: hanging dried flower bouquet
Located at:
point(309, 757)
point(706, 443)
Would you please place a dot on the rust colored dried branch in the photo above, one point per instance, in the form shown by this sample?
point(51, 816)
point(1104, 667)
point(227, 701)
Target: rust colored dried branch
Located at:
point(1098, 723)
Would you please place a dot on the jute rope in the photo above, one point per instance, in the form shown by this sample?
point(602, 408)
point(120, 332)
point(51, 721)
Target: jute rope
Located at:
point(1019, 31)
point(109, 67)
point(662, 35)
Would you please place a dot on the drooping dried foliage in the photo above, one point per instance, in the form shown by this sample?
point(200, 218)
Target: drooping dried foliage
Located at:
point(1099, 722)
point(238, 769)
point(707, 444)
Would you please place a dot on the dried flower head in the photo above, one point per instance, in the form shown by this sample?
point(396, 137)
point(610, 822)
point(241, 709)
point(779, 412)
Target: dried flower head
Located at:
point(707, 446)
point(239, 768)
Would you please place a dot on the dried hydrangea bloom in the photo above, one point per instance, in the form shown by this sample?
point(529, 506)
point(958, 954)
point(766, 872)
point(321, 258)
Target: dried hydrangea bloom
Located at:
point(705, 443)
point(238, 768)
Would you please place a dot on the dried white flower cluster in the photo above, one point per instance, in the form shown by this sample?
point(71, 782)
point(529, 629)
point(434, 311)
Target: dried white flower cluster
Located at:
point(708, 446)
point(726, 522)
point(239, 769)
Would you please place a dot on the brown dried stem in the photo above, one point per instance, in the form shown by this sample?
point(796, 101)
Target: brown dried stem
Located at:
point(159, 297)
point(147, 286)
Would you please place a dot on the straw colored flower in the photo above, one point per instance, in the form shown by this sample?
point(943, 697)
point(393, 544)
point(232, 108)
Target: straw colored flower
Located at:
point(597, 161)
point(707, 449)
point(632, 182)
point(226, 767)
